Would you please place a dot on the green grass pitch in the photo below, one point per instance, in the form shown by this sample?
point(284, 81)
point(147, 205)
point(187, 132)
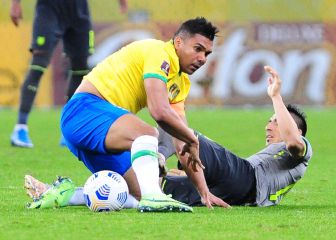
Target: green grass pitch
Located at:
point(307, 212)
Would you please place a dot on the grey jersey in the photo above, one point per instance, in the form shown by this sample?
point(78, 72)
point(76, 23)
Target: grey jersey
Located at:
point(276, 172)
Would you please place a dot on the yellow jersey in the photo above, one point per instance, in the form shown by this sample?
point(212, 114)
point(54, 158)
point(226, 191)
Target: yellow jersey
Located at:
point(120, 77)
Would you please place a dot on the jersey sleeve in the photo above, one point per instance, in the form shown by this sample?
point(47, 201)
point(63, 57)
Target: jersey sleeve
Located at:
point(156, 64)
point(178, 88)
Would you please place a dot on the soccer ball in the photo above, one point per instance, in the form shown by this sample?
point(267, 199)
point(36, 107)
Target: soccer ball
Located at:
point(105, 191)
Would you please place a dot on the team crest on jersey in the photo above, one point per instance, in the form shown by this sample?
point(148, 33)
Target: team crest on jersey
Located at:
point(174, 90)
point(165, 67)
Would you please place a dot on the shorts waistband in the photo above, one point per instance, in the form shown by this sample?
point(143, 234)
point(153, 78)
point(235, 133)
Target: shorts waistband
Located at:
point(85, 94)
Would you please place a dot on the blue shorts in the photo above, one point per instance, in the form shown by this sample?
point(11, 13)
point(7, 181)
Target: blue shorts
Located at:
point(85, 121)
point(63, 19)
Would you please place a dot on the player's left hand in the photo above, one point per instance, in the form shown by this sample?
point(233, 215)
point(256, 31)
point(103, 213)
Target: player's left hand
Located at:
point(211, 200)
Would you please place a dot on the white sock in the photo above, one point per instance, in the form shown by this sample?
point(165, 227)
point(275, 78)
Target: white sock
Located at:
point(145, 164)
point(131, 202)
point(20, 126)
point(77, 199)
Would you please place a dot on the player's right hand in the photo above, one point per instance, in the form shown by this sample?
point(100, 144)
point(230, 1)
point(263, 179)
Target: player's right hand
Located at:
point(193, 157)
point(274, 82)
point(211, 200)
point(16, 12)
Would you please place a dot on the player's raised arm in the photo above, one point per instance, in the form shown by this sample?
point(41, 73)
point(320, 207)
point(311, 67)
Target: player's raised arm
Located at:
point(289, 130)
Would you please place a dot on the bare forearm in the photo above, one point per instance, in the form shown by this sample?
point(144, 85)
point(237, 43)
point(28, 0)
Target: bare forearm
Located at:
point(176, 126)
point(288, 129)
point(287, 125)
point(197, 178)
point(163, 113)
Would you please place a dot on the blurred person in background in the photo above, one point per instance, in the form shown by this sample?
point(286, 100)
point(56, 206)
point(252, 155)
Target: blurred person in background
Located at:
point(68, 20)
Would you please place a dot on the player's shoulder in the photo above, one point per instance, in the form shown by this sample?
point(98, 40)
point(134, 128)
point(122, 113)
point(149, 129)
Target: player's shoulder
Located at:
point(151, 48)
point(150, 43)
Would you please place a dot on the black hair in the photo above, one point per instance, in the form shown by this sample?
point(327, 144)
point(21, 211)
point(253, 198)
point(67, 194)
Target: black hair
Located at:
point(198, 25)
point(299, 117)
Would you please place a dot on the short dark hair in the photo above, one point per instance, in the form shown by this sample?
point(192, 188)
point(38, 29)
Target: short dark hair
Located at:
point(299, 117)
point(198, 25)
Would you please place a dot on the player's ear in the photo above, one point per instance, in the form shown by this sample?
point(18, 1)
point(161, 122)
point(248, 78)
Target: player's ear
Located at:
point(300, 131)
point(177, 41)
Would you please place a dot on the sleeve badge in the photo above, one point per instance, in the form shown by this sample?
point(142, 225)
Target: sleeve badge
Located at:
point(165, 67)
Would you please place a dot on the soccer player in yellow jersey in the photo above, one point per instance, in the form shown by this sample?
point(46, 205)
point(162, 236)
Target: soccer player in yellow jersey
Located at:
point(102, 130)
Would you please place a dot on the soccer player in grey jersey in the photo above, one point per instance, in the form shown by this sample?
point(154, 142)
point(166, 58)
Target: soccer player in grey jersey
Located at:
point(261, 179)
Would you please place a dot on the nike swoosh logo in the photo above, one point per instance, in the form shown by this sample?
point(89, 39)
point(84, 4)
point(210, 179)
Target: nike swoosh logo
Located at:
point(62, 192)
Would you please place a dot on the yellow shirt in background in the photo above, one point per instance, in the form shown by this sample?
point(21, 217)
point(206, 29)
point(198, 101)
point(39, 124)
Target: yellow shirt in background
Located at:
point(120, 77)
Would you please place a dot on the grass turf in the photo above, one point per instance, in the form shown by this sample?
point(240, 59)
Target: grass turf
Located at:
point(307, 212)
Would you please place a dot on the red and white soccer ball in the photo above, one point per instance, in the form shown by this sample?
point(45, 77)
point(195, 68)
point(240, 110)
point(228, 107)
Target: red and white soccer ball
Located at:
point(105, 191)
